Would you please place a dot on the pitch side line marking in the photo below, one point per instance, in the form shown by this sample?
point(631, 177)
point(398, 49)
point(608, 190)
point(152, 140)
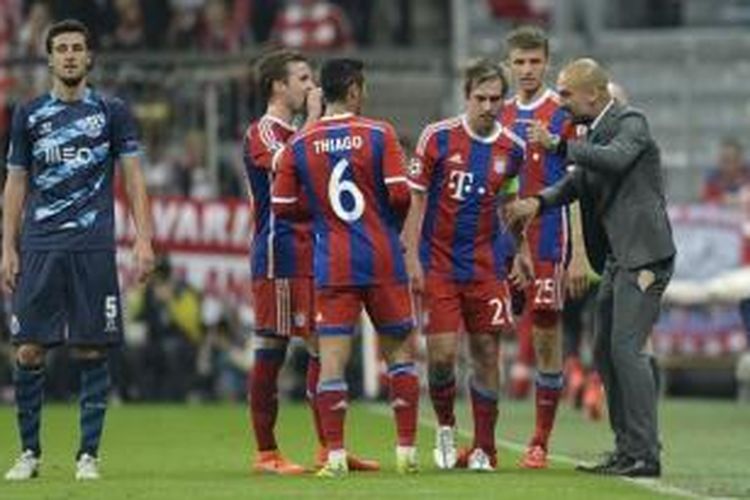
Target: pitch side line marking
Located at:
point(655, 485)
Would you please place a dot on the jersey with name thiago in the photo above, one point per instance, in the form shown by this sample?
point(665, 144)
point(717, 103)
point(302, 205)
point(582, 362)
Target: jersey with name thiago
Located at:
point(344, 165)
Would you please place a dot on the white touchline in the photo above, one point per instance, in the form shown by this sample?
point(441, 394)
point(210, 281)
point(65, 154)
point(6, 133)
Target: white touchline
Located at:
point(655, 485)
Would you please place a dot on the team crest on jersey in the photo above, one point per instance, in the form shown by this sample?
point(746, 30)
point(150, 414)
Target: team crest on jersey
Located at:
point(45, 128)
point(300, 319)
point(93, 124)
point(15, 325)
point(415, 167)
point(499, 165)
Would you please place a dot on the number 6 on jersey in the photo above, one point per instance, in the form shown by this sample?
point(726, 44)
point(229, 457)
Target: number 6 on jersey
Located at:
point(338, 187)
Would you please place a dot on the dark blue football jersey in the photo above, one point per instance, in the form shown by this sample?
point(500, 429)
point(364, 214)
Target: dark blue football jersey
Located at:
point(69, 150)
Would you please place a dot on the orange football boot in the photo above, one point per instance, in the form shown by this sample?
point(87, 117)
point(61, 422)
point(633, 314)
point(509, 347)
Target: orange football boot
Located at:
point(273, 462)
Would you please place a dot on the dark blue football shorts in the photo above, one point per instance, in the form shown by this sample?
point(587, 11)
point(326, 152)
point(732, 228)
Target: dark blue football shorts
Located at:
point(67, 297)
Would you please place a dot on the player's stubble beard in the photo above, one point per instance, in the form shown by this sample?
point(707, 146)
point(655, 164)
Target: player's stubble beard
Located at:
point(72, 81)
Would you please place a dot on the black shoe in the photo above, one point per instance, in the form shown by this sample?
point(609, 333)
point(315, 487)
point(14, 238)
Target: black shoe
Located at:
point(610, 461)
point(637, 467)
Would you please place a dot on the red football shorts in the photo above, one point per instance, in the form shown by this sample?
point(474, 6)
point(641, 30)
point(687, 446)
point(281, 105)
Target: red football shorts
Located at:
point(283, 307)
point(546, 292)
point(481, 306)
point(389, 306)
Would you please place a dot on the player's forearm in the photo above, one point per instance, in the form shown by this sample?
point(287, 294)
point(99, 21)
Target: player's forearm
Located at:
point(135, 186)
point(14, 197)
point(413, 224)
point(576, 233)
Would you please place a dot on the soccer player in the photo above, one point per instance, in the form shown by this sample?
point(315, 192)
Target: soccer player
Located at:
point(549, 235)
point(463, 168)
point(59, 204)
point(281, 259)
point(351, 171)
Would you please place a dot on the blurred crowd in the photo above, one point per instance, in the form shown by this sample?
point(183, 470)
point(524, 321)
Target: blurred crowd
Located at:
point(209, 25)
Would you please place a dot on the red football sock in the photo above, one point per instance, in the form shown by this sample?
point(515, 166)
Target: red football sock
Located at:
point(484, 409)
point(331, 402)
point(548, 390)
point(443, 400)
point(313, 374)
point(263, 396)
point(404, 397)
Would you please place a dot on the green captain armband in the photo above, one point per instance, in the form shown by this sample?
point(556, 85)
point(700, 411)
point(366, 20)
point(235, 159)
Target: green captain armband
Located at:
point(510, 187)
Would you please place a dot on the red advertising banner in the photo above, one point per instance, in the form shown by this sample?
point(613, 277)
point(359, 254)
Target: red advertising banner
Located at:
point(206, 241)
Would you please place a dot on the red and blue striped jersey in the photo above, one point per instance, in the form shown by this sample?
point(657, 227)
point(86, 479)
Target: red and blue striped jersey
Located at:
point(348, 167)
point(279, 248)
point(465, 177)
point(547, 234)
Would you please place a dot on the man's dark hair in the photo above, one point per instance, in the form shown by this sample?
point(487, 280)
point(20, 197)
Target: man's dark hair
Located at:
point(274, 67)
point(527, 38)
point(337, 75)
point(482, 70)
point(67, 26)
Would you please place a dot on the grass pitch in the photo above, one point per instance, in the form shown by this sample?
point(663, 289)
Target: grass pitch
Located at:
point(195, 452)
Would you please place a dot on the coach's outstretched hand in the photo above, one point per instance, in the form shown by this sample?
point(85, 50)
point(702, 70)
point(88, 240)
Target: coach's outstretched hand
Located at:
point(520, 212)
point(143, 259)
point(10, 267)
point(577, 275)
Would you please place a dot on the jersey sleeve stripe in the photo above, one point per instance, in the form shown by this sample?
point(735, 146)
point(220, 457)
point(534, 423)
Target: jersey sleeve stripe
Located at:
point(283, 199)
point(416, 186)
point(433, 129)
point(513, 137)
point(395, 180)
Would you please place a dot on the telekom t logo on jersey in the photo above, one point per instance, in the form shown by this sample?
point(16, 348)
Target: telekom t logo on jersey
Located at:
point(461, 184)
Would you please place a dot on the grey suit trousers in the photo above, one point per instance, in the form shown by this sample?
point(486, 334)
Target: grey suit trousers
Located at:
point(627, 306)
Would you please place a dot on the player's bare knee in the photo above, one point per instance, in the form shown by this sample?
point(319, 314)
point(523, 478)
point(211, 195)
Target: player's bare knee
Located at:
point(484, 348)
point(396, 349)
point(30, 355)
point(486, 373)
point(546, 321)
point(88, 353)
point(441, 374)
point(441, 352)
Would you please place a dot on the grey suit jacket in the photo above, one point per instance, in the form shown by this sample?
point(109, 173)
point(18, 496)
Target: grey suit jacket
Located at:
point(618, 179)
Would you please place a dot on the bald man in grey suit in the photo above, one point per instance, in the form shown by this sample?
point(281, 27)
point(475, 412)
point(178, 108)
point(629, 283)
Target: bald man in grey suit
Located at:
point(618, 179)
